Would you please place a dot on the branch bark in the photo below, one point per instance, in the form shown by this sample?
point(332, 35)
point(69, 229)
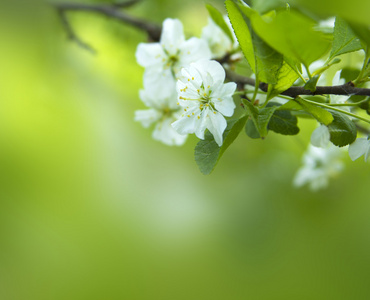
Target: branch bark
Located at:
point(347, 89)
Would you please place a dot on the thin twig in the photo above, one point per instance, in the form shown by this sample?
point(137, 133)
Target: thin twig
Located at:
point(112, 11)
point(72, 35)
point(125, 4)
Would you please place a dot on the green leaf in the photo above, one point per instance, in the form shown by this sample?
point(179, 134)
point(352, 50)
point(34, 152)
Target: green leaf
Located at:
point(286, 76)
point(283, 122)
point(218, 18)
point(268, 61)
point(320, 114)
point(266, 5)
point(363, 32)
point(354, 10)
point(311, 84)
point(292, 34)
point(260, 117)
point(345, 40)
point(208, 153)
point(342, 130)
point(242, 32)
point(251, 130)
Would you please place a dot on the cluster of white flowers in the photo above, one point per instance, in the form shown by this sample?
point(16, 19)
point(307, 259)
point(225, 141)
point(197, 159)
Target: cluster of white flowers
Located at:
point(319, 164)
point(183, 88)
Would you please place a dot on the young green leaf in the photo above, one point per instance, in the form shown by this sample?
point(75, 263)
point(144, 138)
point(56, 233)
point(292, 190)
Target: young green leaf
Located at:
point(345, 40)
point(218, 18)
point(286, 76)
point(242, 32)
point(208, 153)
point(311, 84)
point(342, 130)
point(320, 114)
point(292, 34)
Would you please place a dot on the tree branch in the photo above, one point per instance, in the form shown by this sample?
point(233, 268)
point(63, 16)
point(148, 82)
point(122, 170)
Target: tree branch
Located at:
point(347, 89)
point(111, 11)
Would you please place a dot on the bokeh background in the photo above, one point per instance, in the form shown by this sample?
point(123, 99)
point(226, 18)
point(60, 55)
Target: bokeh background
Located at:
point(92, 208)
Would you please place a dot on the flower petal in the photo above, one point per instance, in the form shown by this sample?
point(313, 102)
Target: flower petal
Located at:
point(358, 148)
point(216, 124)
point(172, 35)
point(147, 117)
point(149, 54)
point(320, 137)
point(165, 133)
point(212, 68)
point(194, 49)
point(187, 123)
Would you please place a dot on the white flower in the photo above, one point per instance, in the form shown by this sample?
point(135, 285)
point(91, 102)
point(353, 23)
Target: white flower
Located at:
point(205, 100)
point(164, 60)
point(358, 148)
point(163, 111)
point(218, 41)
point(318, 166)
point(320, 137)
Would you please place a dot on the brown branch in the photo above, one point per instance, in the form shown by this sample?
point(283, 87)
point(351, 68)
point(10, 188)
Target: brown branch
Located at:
point(71, 33)
point(347, 89)
point(111, 11)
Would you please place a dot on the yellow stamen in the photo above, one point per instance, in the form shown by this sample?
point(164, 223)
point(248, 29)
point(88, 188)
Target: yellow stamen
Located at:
point(198, 117)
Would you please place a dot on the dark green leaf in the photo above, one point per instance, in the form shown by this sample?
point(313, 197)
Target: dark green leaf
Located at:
point(283, 122)
point(251, 130)
point(345, 40)
point(218, 18)
point(260, 117)
point(208, 153)
point(342, 130)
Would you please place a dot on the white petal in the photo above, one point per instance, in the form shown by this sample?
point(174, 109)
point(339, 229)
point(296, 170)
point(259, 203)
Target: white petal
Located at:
point(172, 35)
point(225, 106)
point(194, 49)
point(156, 81)
point(201, 125)
point(147, 117)
point(165, 98)
point(149, 54)
point(320, 137)
point(213, 68)
point(218, 42)
point(216, 124)
point(187, 123)
point(166, 134)
point(358, 148)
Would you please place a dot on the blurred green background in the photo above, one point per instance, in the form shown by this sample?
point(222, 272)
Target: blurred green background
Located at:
point(93, 208)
